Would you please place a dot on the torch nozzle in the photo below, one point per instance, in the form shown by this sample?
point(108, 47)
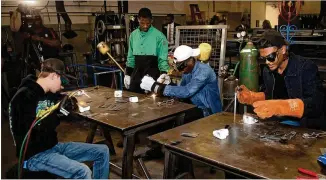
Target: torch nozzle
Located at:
point(238, 88)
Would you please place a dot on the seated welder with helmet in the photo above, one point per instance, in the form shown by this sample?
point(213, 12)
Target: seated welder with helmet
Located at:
point(198, 82)
point(292, 87)
point(40, 95)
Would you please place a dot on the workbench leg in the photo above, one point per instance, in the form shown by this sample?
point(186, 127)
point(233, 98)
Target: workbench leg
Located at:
point(169, 165)
point(127, 157)
point(108, 140)
point(180, 119)
point(91, 133)
point(185, 165)
point(107, 136)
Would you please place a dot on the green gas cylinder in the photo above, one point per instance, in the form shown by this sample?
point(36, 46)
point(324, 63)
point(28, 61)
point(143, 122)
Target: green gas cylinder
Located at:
point(249, 67)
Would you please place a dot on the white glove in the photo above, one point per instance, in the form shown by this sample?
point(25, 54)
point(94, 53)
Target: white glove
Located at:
point(147, 83)
point(164, 79)
point(127, 81)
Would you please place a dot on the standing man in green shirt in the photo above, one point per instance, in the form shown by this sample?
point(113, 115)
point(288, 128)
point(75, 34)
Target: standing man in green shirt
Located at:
point(147, 54)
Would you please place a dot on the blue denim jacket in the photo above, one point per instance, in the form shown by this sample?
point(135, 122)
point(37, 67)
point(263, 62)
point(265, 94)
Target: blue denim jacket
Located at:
point(200, 86)
point(302, 81)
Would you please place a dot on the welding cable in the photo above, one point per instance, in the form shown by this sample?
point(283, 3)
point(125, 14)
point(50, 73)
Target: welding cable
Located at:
point(37, 120)
point(21, 157)
point(27, 137)
point(236, 67)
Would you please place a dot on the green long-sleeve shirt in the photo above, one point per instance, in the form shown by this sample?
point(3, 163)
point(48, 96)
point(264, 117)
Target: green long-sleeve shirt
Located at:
point(152, 42)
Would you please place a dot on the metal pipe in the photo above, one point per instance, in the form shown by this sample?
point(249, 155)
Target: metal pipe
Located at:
point(120, 76)
point(97, 13)
point(59, 26)
point(92, 66)
point(222, 59)
point(120, 173)
point(105, 12)
point(11, 6)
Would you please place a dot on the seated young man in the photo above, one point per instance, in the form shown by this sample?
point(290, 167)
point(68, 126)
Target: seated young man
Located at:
point(44, 153)
point(293, 89)
point(198, 82)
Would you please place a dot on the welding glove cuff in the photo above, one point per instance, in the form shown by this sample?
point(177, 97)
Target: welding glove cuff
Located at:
point(67, 105)
point(158, 88)
point(289, 107)
point(129, 70)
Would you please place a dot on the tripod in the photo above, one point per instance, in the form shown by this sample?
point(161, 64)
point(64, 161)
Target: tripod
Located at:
point(30, 64)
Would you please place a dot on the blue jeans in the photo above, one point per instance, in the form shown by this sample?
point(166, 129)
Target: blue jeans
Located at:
point(64, 160)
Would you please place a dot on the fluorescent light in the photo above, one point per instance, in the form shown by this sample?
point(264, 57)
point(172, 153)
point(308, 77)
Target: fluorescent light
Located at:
point(29, 2)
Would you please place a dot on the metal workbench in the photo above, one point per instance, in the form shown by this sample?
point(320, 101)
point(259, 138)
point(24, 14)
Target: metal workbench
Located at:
point(130, 119)
point(243, 152)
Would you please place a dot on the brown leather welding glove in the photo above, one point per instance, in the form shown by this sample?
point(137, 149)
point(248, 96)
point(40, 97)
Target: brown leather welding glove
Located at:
point(245, 96)
point(269, 108)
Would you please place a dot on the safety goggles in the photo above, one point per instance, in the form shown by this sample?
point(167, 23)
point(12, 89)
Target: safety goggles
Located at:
point(63, 78)
point(181, 65)
point(271, 57)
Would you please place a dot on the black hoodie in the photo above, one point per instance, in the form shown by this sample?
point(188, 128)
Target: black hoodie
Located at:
point(29, 99)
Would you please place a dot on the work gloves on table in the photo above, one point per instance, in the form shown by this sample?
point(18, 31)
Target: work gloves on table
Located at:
point(149, 84)
point(268, 108)
point(245, 96)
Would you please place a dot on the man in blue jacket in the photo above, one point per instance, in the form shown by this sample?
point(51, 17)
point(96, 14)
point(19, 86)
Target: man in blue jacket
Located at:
point(198, 82)
point(292, 86)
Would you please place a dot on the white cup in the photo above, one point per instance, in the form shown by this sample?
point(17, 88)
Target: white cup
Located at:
point(133, 99)
point(118, 93)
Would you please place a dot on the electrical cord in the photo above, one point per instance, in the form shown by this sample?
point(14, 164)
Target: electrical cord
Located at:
point(39, 117)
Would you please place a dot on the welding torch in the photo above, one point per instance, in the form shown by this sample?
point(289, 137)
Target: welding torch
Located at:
point(104, 49)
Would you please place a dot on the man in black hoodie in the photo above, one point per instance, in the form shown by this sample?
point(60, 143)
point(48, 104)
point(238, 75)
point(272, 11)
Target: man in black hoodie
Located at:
point(44, 153)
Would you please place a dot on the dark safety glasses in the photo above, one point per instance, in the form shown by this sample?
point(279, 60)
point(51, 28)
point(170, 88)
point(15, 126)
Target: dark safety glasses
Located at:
point(271, 57)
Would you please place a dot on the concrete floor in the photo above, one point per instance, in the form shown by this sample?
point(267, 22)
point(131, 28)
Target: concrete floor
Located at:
point(77, 131)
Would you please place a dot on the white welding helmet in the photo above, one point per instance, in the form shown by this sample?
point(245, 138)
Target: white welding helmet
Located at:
point(184, 52)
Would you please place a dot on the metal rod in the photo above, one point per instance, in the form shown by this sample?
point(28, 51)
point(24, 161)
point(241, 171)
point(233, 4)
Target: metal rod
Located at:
point(59, 27)
point(235, 106)
point(116, 63)
point(65, 6)
point(119, 168)
point(92, 66)
point(120, 75)
point(229, 105)
point(107, 72)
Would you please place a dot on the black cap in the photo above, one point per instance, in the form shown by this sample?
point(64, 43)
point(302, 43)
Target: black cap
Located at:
point(271, 38)
point(55, 65)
